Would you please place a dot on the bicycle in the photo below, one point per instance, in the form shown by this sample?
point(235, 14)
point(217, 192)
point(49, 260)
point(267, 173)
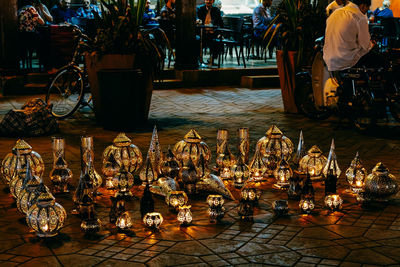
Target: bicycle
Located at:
point(66, 91)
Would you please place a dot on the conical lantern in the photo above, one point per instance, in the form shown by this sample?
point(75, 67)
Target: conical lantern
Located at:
point(225, 161)
point(190, 148)
point(9, 164)
point(87, 158)
point(19, 182)
point(282, 175)
point(148, 174)
point(331, 163)
point(356, 174)
point(240, 173)
point(170, 166)
point(124, 182)
point(258, 169)
point(301, 150)
point(46, 217)
point(275, 143)
point(29, 195)
point(60, 175)
point(380, 184)
point(155, 154)
point(313, 163)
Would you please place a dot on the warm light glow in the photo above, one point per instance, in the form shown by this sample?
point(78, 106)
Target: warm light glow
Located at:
point(359, 183)
point(45, 228)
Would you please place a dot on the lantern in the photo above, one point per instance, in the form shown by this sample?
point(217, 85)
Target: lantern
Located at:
point(154, 152)
point(330, 183)
point(258, 169)
point(124, 221)
point(146, 202)
point(301, 150)
point(184, 215)
point(29, 195)
point(222, 141)
point(85, 182)
point(333, 202)
point(282, 175)
point(244, 144)
point(216, 210)
point(24, 153)
point(225, 161)
point(124, 181)
point(174, 199)
point(170, 166)
point(307, 205)
point(87, 158)
point(189, 177)
point(308, 190)
point(240, 173)
point(60, 175)
point(90, 224)
point(46, 217)
point(313, 163)
point(202, 169)
point(153, 220)
point(251, 194)
point(356, 174)
point(21, 179)
point(280, 207)
point(331, 164)
point(246, 210)
point(380, 184)
point(117, 208)
point(190, 148)
point(110, 168)
point(148, 174)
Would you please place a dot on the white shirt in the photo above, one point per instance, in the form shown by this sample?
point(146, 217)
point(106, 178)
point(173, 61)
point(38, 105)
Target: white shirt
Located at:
point(332, 7)
point(347, 38)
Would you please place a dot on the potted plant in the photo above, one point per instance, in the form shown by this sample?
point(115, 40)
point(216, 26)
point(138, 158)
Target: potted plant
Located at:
point(296, 25)
point(123, 63)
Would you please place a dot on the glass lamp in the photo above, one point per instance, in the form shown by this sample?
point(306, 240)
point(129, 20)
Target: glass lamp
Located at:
point(190, 148)
point(356, 174)
point(124, 222)
point(216, 210)
point(225, 161)
point(333, 202)
point(313, 163)
point(170, 166)
point(280, 207)
point(124, 181)
point(60, 175)
point(331, 165)
point(23, 151)
point(46, 217)
point(87, 158)
point(380, 184)
point(148, 174)
point(240, 173)
point(251, 194)
point(244, 144)
point(258, 169)
point(245, 210)
point(307, 205)
point(282, 175)
point(174, 199)
point(185, 215)
point(153, 220)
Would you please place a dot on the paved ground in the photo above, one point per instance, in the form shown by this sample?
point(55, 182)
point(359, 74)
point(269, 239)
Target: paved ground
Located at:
point(353, 237)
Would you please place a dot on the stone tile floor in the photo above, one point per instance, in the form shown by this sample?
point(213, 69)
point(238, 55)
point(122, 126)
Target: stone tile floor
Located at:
point(354, 237)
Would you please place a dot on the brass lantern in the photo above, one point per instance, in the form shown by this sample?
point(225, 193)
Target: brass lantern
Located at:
point(244, 144)
point(251, 194)
point(184, 215)
point(175, 199)
point(225, 161)
point(124, 222)
point(313, 163)
point(380, 184)
point(90, 223)
point(124, 181)
point(283, 173)
point(46, 217)
point(191, 147)
point(30, 194)
point(331, 165)
point(258, 169)
point(60, 175)
point(153, 220)
point(154, 152)
point(333, 202)
point(240, 173)
point(148, 174)
point(20, 181)
point(307, 205)
point(216, 210)
point(188, 175)
point(23, 151)
point(356, 174)
point(87, 158)
point(170, 166)
point(121, 153)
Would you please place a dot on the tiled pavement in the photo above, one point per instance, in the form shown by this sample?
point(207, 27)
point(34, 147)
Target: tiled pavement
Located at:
point(354, 237)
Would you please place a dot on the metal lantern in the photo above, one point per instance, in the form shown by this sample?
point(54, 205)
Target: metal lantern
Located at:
point(333, 202)
point(225, 161)
point(240, 173)
point(282, 175)
point(280, 207)
point(251, 194)
point(174, 199)
point(154, 152)
point(117, 208)
point(244, 144)
point(301, 150)
point(148, 174)
point(246, 210)
point(331, 165)
point(313, 163)
point(85, 182)
point(356, 174)
point(185, 215)
point(222, 141)
point(189, 177)
point(110, 168)
point(87, 158)
point(276, 144)
point(21, 179)
point(46, 217)
point(30, 194)
point(190, 148)
point(124, 181)
point(216, 210)
point(258, 169)
point(170, 166)
point(90, 224)
point(24, 153)
point(380, 184)
point(153, 220)
point(124, 221)
point(60, 175)
point(307, 205)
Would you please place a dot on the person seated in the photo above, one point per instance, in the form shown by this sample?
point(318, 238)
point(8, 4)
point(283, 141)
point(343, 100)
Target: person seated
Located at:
point(167, 20)
point(218, 3)
point(261, 22)
point(149, 16)
point(43, 11)
point(336, 4)
point(88, 10)
point(383, 11)
point(207, 14)
point(62, 12)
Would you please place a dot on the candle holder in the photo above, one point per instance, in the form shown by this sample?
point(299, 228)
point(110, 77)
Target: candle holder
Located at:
point(333, 202)
point(313, 163)
point(240, 173)
point(117, 208)
point(282, 175)
point(191, 147)
point(46, 217)
point(60, 175)
point(175, 199)
point(307, 205)
point(258, 169)
point(124, 222)
point(170, 166)
point(356, 175)
point(153, 220)
point(280, 207)
point(216, 210)
point(245, 210)
point(185, 215)
point(244, 144)
point(250, 194)
point(301, 150)
point(331, 165)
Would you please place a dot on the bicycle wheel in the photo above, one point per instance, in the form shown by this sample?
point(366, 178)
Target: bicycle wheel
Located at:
point(65, 92)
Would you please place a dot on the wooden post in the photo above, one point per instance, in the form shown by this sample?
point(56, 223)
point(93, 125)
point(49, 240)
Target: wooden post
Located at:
point(8, 34)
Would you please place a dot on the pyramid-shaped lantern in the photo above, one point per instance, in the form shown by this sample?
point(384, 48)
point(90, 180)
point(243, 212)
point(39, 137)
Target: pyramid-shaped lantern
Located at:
point(301, 150)
point(356, 174)
point(331, 163)
point(155, 151)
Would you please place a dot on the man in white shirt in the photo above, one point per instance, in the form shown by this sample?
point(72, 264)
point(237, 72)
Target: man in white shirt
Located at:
point(336, 4)
point(347, 39)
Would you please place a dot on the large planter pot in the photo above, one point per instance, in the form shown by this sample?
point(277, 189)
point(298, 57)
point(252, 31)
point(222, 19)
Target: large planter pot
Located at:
point(286, 70)
point(124, 91)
